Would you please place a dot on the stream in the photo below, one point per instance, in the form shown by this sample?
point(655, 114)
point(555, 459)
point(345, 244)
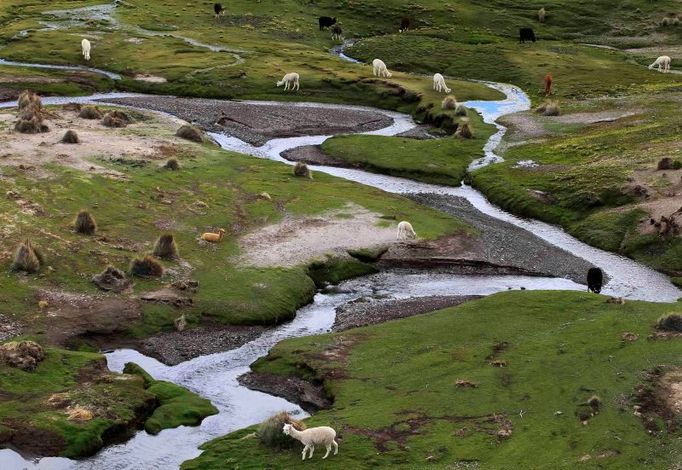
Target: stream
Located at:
point(215, 376)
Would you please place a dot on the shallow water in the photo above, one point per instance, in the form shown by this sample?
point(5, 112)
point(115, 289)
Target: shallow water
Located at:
point(214, 376)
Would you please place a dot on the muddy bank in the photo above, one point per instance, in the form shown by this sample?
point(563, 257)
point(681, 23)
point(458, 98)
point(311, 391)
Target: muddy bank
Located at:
point(312, 155)
point(504, 244)
point(311, 397)
point(258, 123)
point(369, 311)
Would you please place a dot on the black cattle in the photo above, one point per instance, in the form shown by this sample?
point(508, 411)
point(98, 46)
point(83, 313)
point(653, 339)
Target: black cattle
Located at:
point(326, 22)
point(404, 24)
point(595, 278)
point(526, 34)
point(218, 9)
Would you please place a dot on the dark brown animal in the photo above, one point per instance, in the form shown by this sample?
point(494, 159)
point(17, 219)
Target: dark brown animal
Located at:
point(404, 24)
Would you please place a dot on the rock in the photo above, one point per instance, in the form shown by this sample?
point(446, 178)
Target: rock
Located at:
point(24, 355)
point(112, 279)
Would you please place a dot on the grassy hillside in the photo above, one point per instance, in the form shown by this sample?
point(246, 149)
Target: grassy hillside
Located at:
point(397, 402)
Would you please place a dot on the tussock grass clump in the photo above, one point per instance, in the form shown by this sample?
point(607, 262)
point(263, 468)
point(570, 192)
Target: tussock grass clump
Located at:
point(27, 258)
point(188, 132)
point(70, 137)
point(670, 21)
point(302, 170)
point(670, 323)
point(30, 114)
point(165, 247)
point(90, 112)
point(28, 99)
point(85, 223)
point(464, 130)
point(665, 163)
point(270, 431)
point(449, 102)
point(461, 110)
point(146, 267)
point(72, 107)
point(111, 279)
point(172, 164)
point(111, 120)
point(549, 108)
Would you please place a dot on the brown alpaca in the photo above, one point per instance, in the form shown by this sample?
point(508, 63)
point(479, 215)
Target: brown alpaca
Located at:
point(548, 84)
point(213, 237)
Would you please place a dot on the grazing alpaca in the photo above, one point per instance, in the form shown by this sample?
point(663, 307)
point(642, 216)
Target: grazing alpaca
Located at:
point(405, 231)
point(663, 64)
point(85, 46)
point(337, 33)
point(321, 435)
point(218, 9)
point(595, 278)
point(326, 22)
point(290, 81)
point(541, 15)
point(404, 24)
point(548, 84)
point(439, 83)
point(526, 34)
point(379, 69)
point(213, 237)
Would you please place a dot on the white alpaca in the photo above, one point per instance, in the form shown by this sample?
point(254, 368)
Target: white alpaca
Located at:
point(322, 435)
point(85, 46)
point(290, 81)
point(439, 83)
point(405, 231)
point(663, 64)
point(379, 69)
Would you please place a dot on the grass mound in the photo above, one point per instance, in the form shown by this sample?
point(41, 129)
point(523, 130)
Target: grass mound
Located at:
point(461, 110)
point(302, 170)
point(449, 102)
point(549, 108)
point(85, 223)
point(70, 137)
point(31, 114)
point(172, 164)
point(146, 267)
point(270, 433)
point(177, 406)
point(165, 247)
point(190, 133)
point(110, 120)
point(464, 130)
point(90, 112)
point(670, 323)
point(27, 258)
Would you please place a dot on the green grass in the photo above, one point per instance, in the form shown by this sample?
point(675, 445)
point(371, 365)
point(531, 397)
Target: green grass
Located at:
point(127, 213)
point(176, 405)
point(439, 161)
point(397, 405)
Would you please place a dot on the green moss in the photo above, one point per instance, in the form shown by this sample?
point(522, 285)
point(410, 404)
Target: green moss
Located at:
point(397, 402)
point(333, 270)
point(176, 405)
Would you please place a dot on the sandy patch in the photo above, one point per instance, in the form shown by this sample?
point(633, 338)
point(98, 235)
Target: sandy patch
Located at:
point(33, 151)
point(150, 79)
point(298, 239)
point(528, 125)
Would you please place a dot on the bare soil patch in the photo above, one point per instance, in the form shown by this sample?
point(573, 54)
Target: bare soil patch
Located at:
point(73, 315)
point(297, 239)
point(97, 143)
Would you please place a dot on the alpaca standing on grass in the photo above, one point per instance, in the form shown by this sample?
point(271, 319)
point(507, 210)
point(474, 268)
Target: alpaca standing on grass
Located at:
point(405, 231)
point(663, 64)
point(322, 435)
point(541, 15)
point(379, 69)
point(290, 81)
point(548, 84)
point(439, 83)
point(85, 47)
